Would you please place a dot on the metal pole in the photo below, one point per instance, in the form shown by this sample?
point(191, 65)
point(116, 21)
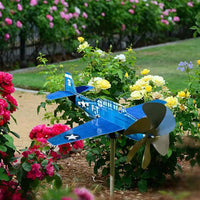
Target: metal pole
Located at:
point(112, 166)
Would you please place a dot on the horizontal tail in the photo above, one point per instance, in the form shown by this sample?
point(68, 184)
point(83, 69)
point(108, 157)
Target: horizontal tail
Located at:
point(70, 89)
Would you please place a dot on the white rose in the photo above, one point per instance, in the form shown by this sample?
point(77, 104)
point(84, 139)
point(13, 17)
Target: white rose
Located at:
point(158, 80)
point(136, 95)
point(120, 57)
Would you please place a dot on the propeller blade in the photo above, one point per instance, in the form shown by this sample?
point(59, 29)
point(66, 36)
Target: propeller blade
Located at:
point(147, 155)
point(161, 144)
point(140, 126)
point(168, 124)
point(135, 148)
point(155, 112)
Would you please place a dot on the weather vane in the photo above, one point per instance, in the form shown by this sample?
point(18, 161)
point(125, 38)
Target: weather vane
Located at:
point(148, 123)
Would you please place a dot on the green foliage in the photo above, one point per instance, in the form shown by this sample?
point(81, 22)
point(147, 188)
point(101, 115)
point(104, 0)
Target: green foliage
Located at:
point(178, 196)
point(114, 77)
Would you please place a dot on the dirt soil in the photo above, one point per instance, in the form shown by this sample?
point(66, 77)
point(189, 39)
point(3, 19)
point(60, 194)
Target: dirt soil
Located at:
point(77, 173)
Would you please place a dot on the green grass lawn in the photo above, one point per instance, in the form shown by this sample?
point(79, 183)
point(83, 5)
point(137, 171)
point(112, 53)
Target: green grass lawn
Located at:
point(161, 60)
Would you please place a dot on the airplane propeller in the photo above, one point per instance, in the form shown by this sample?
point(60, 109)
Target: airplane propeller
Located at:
point(156, 126)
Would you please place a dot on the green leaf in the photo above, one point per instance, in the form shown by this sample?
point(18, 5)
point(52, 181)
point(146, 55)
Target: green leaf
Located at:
point(142, 185)
point(26, 166)
point(57, 181)
point(9, 138)
point(15, 134)
point(169, 153)
point(3, 148)
point(3, 175)
point(11, 145)
point(44, 163)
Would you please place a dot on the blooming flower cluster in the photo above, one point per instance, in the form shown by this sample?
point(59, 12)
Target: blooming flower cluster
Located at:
point(13, 17)
point(7, 188)
point(34, 166)
point(99, 84)
point(147, 86)
point(8, 104)
point(185, 66)
point(41, 133)
point(120, 57)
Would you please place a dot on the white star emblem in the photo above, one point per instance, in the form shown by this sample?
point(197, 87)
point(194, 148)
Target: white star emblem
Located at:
point(72, 137)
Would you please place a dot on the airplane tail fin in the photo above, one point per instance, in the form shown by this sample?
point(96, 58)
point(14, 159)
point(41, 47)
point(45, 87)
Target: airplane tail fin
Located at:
point(70, 89)
point(69, 83)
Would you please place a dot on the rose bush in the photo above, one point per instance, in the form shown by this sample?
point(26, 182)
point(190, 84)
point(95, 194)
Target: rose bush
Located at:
point(49, 23)
point(22, 173)
point(41, 133)
point(114, 77)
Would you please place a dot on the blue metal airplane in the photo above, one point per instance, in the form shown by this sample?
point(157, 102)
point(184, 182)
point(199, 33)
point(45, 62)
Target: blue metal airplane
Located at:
point(148, 120)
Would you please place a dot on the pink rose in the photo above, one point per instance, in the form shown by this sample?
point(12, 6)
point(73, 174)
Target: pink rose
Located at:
point(176, 19)
point(7, 78)
point(78, 144)
point(190, 4)
point(83, 193)
point(123, 27)
point(131, 11)
point(66, 198)
point(19, 7)
point(35, 171)
point(1, 6)
point(12, 101)
point(50, 169)
point(19, 24)
point(8, 21)
point(6, 36)
point(56, 2)
point(33, 2)
point(49, 17)
point(85, 15)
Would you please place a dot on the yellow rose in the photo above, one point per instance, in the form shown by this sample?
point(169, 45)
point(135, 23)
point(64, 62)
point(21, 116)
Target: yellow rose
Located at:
point(171, 102)
point(147, 78)
point(148, 88)
point(198, 125)
point(80, 39)
point(136, 95)
point(194, 101)
point(130, 49)
point(145, 71)
point(180, 124)
point(126, 75)
point(141, 83)
point(198, 62)
point(103, 84)
point(135, 87)
point(183, 94)
point(81, 47)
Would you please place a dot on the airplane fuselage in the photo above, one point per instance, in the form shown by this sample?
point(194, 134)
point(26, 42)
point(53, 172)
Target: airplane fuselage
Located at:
point(109, 110)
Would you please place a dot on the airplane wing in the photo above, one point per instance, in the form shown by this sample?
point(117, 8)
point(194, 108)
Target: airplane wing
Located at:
point(137, 112)
point(93, 128)
point(59, 94)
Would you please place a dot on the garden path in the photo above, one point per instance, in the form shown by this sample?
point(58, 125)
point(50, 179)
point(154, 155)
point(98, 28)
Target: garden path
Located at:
point(27, 116)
